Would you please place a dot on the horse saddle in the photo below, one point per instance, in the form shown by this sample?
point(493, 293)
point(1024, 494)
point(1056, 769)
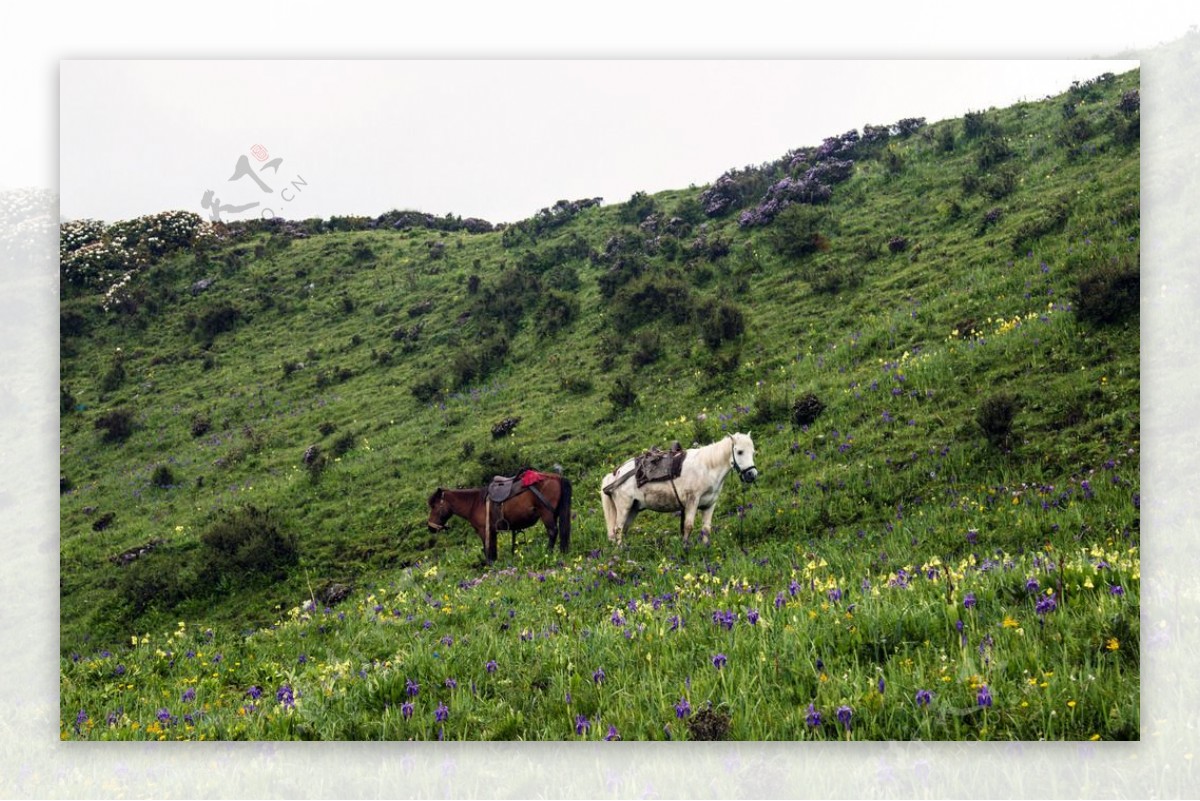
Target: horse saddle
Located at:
point(659, 465)
point(502, 488)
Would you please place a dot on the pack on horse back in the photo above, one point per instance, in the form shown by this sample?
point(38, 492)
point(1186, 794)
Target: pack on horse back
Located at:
point(654, 464)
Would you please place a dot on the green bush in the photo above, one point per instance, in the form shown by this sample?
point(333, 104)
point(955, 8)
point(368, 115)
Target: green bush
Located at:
point(995, 418)
point(622, 396)
point(247, 543)
point(556, 311)
point(1108, 293)
point(770, 406)
point(806, 409)
point(651, 298)
point(160, 580)
point(163, 477)
point(720, 322)
point(428, 388)
point(116, 424)
point(217, 320)
point(795, 233)
point(637, 208)
point(647, 348)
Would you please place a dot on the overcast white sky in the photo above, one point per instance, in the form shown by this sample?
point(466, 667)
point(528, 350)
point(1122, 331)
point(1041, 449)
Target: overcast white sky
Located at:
point(491, 139)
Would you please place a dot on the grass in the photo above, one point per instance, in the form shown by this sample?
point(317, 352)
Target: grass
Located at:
point(856, 549)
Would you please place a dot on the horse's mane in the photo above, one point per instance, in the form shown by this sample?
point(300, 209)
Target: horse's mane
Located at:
point(718, 453)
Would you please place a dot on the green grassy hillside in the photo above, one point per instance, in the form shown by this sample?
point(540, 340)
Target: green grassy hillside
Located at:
point(931, 331)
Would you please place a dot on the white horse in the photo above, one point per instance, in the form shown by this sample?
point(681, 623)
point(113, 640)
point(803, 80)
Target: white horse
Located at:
point(697, 487)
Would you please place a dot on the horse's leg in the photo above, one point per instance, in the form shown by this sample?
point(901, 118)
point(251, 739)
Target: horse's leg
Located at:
point(706, 523)
point(551, 523)
point(689, 521)
point(610, 514)
point(489, 543)
point(627, 522)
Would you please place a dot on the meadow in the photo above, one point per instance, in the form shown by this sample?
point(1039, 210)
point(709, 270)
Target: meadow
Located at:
point(930, 330)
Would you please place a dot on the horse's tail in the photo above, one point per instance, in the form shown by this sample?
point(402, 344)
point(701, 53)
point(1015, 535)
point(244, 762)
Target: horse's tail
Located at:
point(564, 514)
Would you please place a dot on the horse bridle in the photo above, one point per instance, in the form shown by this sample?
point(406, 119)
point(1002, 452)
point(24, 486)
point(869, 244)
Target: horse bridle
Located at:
point(438, 528)
point(742, 471)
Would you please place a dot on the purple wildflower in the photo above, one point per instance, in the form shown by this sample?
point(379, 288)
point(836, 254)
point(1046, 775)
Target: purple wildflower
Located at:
point(411, 688)
point(1116, 589)
point(1046, 605)
point(752, 617)
point(491, 666)
point(164, 716)
point(813, 718)
point(447, 641)
point(683, 708)
point(924, 697)
point(581, 725)
point(451, 684)
point(881, 685)
point(255, 692)
point(984, 698)
point(613, 734)
point(406, 709)
point(972, 536)
point(189, 695)
point(598, 676)
point(719, 661)
point(835, 595)
point(844, 714)
point(969, 600)
point(1032, 585)
point(286, 696)
point(442, 713)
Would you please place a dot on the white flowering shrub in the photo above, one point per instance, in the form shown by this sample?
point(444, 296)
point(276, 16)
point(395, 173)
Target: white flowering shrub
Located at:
point(76, 234)
point(93, 254)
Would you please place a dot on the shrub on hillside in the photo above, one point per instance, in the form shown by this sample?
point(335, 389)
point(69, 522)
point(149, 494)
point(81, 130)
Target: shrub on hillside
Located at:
point(796, 232)
point(622, 395)
point(995, 418)
point(1108, 293)
point(428, 388)
point(647, 348)
point(651, 298)
point(720, 322)
point(216, 320)
point(977, 124)
point(502, 460)
point(806, 409)
point(246, 543)
point(770, 406)
point(556, 311)
point(158, 580)
point(163, 477)
point(476, 363)
point(116, 424)
point(636, 209)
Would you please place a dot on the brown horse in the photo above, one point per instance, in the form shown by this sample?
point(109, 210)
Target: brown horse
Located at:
point(537, 497)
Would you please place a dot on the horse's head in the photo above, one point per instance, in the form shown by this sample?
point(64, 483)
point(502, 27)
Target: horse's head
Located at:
point(743, 457)
point(439, 511)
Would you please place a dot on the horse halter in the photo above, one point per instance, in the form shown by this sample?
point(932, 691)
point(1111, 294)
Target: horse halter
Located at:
point(746, 474)
point(437, 528)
